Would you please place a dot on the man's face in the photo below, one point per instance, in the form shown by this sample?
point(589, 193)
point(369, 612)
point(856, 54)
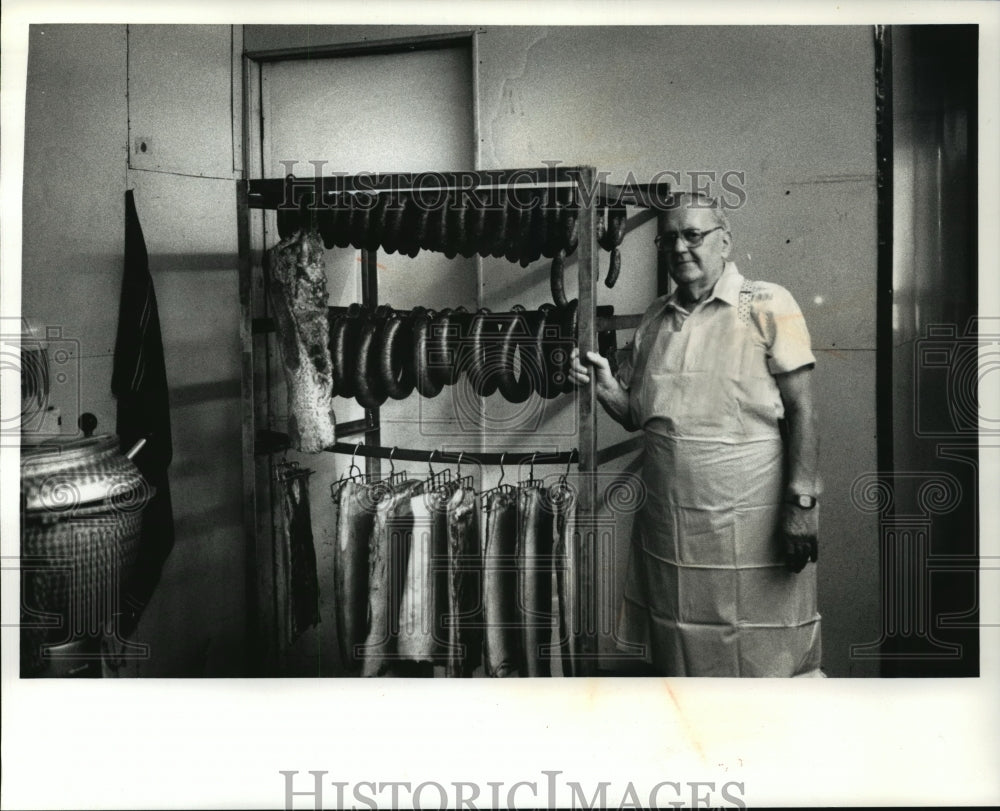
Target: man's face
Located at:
point(701, 265)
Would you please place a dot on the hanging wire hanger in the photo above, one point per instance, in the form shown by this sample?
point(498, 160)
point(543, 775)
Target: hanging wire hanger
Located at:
point(531, 481)
point(561, 492)
point(467, 481)
point(500, 487)
point(569, 465)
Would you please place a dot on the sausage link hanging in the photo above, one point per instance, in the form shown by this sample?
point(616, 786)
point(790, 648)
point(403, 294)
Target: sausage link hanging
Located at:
point(617, 235)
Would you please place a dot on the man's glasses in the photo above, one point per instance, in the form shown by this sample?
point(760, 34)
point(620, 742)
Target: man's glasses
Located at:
point(692, 237)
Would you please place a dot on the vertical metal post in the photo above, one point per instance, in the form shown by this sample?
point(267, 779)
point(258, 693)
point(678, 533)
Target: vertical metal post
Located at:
point(256, 623)
point(884, 338)
point(369, 297)
point(587, 572)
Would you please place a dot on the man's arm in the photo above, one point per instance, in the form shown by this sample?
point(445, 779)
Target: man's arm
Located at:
point(612, 396)
point(800, 527)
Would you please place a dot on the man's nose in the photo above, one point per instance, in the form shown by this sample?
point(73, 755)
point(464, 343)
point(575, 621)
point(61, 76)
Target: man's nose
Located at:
point(677, 247)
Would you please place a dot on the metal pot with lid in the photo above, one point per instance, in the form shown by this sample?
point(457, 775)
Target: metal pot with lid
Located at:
point(81, 504)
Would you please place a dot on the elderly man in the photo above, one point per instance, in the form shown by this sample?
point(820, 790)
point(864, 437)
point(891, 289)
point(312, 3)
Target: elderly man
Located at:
point(717, 583)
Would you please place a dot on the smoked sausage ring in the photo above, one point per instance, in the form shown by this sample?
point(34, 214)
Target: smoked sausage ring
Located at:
point(449, 351)
point(344, 337)
point(570, 233)
point(552, 242)
point(475, 218)
point(358, 227)
point(341, 220)
point(376, 223)
point(567, 331)
point(421, 344)
point(512, 234)
point(395, 357)
point(531, 231)
point(368, 389)
point(455, 231)
point(545, 340)
point(494, 241)
point(485, 351)
point(392, 223)
point(517, 339)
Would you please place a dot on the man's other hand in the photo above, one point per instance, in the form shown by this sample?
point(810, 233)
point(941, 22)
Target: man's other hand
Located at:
point(799, 536)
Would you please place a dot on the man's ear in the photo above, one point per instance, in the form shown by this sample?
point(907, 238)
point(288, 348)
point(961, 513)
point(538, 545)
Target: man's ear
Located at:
point(727, 244)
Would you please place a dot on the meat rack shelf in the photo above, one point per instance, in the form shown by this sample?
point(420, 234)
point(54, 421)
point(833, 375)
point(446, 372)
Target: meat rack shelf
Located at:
point(314, 194)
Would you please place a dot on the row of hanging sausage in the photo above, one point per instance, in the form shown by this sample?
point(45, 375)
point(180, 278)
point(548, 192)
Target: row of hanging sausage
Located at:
point(387, 353)
point(431, 571)
point(520, 225)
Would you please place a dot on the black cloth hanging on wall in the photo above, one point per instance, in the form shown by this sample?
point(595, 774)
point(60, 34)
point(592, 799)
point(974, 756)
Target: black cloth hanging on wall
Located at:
point(139, 383)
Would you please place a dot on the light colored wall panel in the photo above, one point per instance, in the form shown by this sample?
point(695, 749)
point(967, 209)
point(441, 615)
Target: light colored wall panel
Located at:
point(818, 240)
point(705, 98)
point(190, 229)
point(848, 543)
point(74, 204)
point(180, 97)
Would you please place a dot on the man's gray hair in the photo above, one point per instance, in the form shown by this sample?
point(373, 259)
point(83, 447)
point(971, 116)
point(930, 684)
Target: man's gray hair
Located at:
point(686, 199)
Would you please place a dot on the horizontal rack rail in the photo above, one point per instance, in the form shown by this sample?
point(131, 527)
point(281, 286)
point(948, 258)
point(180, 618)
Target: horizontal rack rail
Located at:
point(276, 442)
point(292, 191)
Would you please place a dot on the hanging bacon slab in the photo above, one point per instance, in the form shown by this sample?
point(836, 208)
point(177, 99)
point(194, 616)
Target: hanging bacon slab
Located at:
point(534, 579)
point(464, 626)
point(355, 512)
point(503, 631)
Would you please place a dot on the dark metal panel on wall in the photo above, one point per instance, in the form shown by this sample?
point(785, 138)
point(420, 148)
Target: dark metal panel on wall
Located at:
point(927, 92)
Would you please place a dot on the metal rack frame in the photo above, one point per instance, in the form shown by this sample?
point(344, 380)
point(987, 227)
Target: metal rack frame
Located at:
point(290, 192)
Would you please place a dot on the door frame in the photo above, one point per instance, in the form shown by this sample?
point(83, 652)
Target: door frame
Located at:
point(264, 567)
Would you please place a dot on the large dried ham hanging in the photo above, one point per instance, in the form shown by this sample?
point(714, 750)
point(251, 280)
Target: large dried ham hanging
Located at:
point(298, 293)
